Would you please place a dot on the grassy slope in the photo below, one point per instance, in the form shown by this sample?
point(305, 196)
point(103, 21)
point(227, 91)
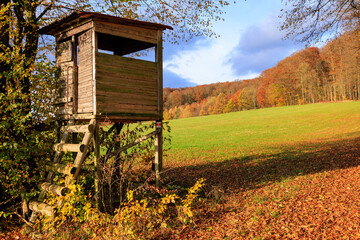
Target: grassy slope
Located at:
point(243, 133)
point(288, 172)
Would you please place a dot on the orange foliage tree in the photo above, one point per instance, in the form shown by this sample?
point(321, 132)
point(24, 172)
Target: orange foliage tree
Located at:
point(311, 75)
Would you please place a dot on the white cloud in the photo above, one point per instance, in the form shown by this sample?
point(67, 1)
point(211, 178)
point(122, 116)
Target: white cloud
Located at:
point(260, 47)
point(250, 43)
point(206, 63)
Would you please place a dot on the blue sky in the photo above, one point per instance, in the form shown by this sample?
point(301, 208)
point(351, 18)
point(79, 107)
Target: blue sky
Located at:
point(250, 42)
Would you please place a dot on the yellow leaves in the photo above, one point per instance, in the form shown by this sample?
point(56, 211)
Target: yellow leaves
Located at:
point(140, 217)
point(74, 206)
point(169, 198)
point(133, 220)
point(130, 195)
point(161, 209)
point(192, 192)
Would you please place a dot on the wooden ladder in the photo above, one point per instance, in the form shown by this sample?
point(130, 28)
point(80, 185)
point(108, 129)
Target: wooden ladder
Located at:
point(39, 207)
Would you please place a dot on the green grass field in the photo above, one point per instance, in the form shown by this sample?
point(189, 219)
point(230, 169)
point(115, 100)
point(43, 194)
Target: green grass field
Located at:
point(278, 173)
point(238, 134)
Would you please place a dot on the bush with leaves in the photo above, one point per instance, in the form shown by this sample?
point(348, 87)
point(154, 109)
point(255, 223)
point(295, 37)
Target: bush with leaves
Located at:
point(144, 214)
point(24, 146)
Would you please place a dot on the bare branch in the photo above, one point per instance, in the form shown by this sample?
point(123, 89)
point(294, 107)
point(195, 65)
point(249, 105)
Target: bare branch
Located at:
point(44, 12)
point(311, 20)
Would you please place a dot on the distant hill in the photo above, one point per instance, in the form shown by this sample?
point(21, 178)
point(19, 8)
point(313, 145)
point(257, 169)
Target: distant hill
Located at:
point(327, 74)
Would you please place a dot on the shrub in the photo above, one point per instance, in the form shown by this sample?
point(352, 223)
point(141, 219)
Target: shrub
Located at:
point(143, 215)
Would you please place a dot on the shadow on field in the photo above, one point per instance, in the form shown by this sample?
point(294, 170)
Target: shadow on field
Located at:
point(253, 171)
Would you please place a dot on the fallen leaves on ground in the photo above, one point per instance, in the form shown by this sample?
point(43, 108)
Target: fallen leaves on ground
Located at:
point(308, 191)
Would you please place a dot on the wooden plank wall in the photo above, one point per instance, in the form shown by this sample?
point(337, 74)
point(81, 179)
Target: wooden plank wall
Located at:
point(125, 86)
point(130, 32)
point(65, 76)
point(85, 73)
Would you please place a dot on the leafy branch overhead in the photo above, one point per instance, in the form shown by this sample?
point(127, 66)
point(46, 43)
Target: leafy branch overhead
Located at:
point(312, 21)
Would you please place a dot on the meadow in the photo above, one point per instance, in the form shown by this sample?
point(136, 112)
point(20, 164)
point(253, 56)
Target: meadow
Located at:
point(286, 172)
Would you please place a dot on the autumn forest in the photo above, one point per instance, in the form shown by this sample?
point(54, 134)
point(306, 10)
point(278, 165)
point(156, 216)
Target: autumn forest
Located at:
point(312, 75)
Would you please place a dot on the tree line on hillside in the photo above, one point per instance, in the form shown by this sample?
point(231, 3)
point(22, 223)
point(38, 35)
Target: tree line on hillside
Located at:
point(311, 75)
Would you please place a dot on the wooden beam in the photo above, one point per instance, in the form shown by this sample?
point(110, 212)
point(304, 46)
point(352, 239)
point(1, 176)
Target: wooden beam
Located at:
point(111, 116)
point(63, 111)
point(94, 46)
point(55, 189)
point(75, 72)
point(66, 169)
point(41, 208)
point(159, 63)
point(158, 138)
point(105, 108)
point(77, 128)
point(62, 100)
point(75, 29)
point(68, 147)
point(80, 116)
point(131, 32)
point(158, 152)
point(81, 157)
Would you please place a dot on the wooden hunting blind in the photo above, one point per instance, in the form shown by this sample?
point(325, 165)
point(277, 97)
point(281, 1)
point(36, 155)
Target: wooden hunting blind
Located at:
point(97, 81)
point(95, 76)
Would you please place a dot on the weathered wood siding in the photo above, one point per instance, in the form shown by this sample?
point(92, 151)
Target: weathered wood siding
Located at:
point(131, 32)
point(85, 73)
point(126, 86)
point(64, 82)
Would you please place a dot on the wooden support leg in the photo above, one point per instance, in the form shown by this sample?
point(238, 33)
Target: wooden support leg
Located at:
point(81, 157)
point(158, 153)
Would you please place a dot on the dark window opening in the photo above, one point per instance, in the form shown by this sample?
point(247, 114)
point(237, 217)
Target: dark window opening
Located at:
point(125, 47)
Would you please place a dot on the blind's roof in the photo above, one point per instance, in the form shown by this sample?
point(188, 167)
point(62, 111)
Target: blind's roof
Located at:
point(76, 17)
